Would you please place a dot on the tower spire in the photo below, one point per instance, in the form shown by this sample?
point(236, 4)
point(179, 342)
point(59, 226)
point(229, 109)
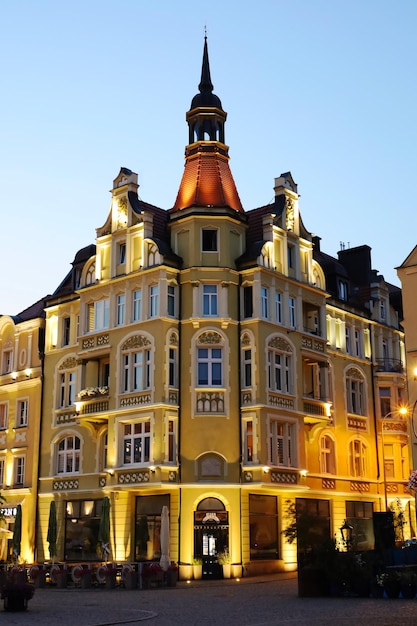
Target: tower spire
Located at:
point(205, 84)
point(207, 180)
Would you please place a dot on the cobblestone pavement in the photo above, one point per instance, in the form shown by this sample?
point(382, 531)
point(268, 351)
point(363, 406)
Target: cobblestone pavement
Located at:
point(266, 601)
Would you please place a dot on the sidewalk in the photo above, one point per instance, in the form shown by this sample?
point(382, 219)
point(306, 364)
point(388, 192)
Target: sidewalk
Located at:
point(259, 601)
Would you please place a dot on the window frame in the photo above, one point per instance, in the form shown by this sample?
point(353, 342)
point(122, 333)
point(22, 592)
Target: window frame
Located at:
point(206, 239)
point(68, 455)
point(212, 363)
point(4, 415)
point(120, 309)
point(19, 467)
point(288, 438)
point(210, 300)
point(358, 452)
point(22, 412)
point(139, 438)
point(137, 305)
point(153, 301)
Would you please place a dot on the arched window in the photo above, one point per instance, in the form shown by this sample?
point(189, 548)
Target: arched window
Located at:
point(136, 364)
point(280, 365)
point(357, 458)
point(68, 455)
point(327, 455)
point(355, 392)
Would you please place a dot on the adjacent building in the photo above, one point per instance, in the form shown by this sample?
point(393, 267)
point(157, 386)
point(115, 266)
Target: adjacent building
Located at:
point(22, 355)
point(214, 360)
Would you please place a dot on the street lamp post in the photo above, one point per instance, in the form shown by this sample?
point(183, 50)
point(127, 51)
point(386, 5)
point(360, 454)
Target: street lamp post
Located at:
point(403, 411)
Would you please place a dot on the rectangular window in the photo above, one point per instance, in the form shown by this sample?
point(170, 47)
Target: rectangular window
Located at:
point(359, 515)
point(290, 256)
point(172, 381)
point(82, 524)
point(137, 305)
point(148, 526)
point(1, 472)
point(348, 340)
point(343, 290)
point(67, 389)
point(210, 300)
point(291, 312)
point(385, 401)
point(22, 413)
point(248, 441)
point(209, 240)
point(278, 307)
point(263, 525)
point(136, 442)
point(7, 361)
point(247, 367)
point(66, 327)
point(120, 313)
point(137, 371)
point(209, 367)
point(19, 470)
point(279, 371)
point(121, 254)
point(314, 515)
point(153, 301)
point(4, 410)
point(171, 300)
point(247, 302)
point(282, 444)
point(172, 444)
point(264, 303)
point(98, 315)
point(357, 336)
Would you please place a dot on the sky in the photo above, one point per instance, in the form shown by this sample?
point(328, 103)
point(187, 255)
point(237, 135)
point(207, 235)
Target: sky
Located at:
point(325, 89)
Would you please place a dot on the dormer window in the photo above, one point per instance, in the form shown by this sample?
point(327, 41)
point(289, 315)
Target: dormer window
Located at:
point(343, 290)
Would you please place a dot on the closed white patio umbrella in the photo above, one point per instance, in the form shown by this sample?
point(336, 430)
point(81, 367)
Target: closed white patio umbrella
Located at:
point(164, 538)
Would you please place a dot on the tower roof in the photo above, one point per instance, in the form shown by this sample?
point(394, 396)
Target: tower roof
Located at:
point(207, 180)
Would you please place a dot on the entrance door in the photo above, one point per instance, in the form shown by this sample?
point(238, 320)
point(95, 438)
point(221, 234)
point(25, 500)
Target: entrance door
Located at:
point(211, 535)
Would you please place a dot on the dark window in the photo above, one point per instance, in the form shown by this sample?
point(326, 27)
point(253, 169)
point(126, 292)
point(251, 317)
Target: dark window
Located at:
point(209, 240)
point(148, 527)
point(82, 521)
point(263, 524)
point(360, 516)
point(313, 523)
point(66, 331)
point(247, 302)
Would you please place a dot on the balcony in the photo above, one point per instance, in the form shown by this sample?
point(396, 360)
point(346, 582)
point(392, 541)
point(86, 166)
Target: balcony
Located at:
point(389, 365)
point(316, 410)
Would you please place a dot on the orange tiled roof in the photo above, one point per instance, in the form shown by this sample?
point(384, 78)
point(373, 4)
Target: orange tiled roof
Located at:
point(207, 181)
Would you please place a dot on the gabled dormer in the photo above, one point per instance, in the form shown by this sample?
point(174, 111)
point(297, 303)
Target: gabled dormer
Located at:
point(134, 235)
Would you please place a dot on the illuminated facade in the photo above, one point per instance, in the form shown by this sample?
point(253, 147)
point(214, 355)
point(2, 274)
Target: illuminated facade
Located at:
point(21, 353)
point(215, 361)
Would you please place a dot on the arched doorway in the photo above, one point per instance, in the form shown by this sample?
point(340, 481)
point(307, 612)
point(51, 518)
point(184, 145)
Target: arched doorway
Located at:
point(211, 535)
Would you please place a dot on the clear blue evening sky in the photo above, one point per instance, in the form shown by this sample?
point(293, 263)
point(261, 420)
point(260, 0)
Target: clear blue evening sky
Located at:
point(323, 88)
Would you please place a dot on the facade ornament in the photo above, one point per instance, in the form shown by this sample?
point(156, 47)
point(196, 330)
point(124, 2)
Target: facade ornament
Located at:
point(289, 211)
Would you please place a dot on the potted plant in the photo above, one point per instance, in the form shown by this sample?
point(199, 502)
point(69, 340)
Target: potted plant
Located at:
point(86, 577)
point(16, 591)
point(197, 568)
point(392, 583)
point(152, 575)
point(129, 577)
point(225, 561)
point(172, 574)
point(408, 583)
point(110, 574)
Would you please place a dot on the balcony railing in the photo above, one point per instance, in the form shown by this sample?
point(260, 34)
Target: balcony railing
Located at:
point(389, 365)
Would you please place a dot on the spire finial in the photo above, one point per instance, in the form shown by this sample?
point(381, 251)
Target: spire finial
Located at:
point(205, 83)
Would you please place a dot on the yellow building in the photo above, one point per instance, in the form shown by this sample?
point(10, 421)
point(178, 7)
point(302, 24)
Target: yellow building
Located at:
point(21, 352)
point(213, 360)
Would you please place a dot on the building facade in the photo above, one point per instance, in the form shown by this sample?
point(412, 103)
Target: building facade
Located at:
point(213, 360)
point(21, 352)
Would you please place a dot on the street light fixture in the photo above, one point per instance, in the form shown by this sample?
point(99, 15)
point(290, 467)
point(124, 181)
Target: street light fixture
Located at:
point(347, 533)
